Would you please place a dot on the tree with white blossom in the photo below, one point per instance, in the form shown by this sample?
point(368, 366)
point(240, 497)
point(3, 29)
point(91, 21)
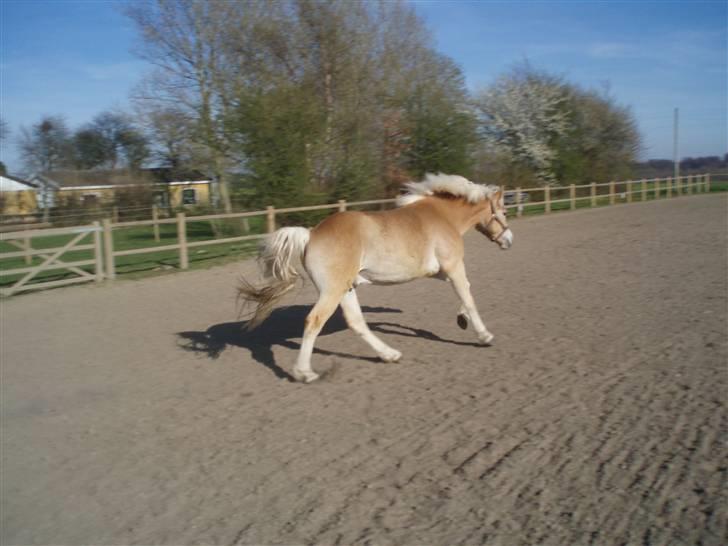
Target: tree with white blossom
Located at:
point(521, 115)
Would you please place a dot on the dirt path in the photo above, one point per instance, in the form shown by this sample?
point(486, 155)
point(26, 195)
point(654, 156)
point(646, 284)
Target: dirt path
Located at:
point(598, 416)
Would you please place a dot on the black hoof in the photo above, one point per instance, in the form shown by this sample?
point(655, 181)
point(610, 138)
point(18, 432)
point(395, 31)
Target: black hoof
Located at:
point(463, 322)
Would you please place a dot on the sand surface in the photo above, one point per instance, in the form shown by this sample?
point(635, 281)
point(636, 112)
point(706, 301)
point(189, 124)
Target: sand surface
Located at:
point(137, 412)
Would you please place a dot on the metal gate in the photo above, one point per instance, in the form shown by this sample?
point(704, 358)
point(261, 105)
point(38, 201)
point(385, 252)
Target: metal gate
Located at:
point(82, 238)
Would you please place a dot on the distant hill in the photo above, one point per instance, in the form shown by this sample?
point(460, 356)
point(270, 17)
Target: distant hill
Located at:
point(657, 168)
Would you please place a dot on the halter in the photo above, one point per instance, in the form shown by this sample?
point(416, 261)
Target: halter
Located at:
point(493, 218)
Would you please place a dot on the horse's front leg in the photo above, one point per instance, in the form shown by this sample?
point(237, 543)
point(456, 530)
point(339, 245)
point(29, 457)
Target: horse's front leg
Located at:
point(468, 311)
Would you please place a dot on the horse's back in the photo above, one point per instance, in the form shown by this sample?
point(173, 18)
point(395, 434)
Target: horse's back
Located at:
point(341, 228)
point(364, 228)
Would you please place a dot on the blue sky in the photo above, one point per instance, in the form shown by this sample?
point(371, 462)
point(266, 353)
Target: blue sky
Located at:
point(75, 58)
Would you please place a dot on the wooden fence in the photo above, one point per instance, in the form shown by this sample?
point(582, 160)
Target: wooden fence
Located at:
point(51, 257)
point(544, 200)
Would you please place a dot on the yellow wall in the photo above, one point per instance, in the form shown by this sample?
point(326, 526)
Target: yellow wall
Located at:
point(202, 194)
point(104, 195)
point(18, 202)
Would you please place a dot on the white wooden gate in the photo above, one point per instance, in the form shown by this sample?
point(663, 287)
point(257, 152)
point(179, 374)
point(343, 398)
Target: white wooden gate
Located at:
point(82, 238)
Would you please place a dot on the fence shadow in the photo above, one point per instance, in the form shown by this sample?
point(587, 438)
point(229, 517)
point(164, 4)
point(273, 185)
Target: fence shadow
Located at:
point(284, 328)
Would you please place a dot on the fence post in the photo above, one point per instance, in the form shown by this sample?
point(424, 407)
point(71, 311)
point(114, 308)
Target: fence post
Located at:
point(668, 181)
point(707, 183)
point(115, 214)
point(109, 249)
point(690, 184)
point(184, 261)
point(643, 187)
point(572, 196)
point(155, 218)
point(547, 199)
point(98, 252)
point(27, 246)
point(611, 192)
point(519, 206)
point(342, 205)
point(593, 194)
point(657, 188)
point(270, 213)
point(629, 191)
point(679, 187)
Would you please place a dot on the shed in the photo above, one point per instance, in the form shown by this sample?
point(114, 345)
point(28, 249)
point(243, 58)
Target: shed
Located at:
point(17, 196)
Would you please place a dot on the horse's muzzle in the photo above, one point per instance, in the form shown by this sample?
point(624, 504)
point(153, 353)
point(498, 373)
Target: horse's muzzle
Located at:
point(506, 240)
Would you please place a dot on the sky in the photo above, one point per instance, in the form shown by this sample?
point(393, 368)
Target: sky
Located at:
point(75, 58)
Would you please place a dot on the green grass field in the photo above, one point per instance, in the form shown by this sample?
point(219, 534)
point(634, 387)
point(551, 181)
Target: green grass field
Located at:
point(138, 237)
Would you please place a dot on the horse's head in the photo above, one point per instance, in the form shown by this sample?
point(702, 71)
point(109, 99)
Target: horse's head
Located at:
point(494, 223)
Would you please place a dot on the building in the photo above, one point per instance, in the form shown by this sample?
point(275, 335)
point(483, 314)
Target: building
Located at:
point(162, 187)
point(17, 196)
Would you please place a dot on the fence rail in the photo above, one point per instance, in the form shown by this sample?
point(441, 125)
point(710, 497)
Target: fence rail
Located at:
point(51, 258)
point(104, 261)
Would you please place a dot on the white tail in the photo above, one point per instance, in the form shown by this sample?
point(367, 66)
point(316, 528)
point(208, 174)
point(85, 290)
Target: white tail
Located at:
point(281, 255)
point(283, 251)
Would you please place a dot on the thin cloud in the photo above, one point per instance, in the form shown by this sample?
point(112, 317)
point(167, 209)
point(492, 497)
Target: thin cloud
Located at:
point(112, 71)
point(611, 50)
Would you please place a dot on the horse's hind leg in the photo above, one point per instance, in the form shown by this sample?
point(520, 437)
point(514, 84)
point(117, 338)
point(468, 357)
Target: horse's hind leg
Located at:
point(462, 318)
point(462, 288)
point(355, 320)
point(321, 312)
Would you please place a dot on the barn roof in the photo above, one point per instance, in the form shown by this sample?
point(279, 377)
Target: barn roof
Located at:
point(67, 179)
point(13, 183)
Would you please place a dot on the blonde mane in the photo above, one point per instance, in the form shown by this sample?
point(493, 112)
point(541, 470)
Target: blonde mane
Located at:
point(452, 184)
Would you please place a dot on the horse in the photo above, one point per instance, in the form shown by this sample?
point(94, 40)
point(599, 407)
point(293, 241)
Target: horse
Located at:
point(421, 237)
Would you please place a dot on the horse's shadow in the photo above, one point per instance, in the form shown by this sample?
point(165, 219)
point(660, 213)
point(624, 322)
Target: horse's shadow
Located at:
point(283, 326)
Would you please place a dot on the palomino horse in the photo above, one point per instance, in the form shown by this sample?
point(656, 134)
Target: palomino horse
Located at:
point(423, 237)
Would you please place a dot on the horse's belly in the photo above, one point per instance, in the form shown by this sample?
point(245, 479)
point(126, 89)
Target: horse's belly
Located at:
point(397, 275)
point(380, 277)
point(394, 264)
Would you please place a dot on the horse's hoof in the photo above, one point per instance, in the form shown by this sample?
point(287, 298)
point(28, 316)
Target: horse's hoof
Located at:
point(392, 355)
point(485, 338)
point(305, 377)
point(463, 322)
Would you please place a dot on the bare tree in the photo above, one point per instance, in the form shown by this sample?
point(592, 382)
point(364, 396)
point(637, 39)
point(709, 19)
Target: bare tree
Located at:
point(46, 145)
point(4, 130)
point(183, 39)
point(169, 131)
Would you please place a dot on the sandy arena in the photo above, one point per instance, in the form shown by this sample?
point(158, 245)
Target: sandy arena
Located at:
point(138, 412)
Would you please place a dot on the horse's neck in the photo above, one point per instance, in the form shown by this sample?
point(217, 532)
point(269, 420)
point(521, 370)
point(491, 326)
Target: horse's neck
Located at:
point(461, 214)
